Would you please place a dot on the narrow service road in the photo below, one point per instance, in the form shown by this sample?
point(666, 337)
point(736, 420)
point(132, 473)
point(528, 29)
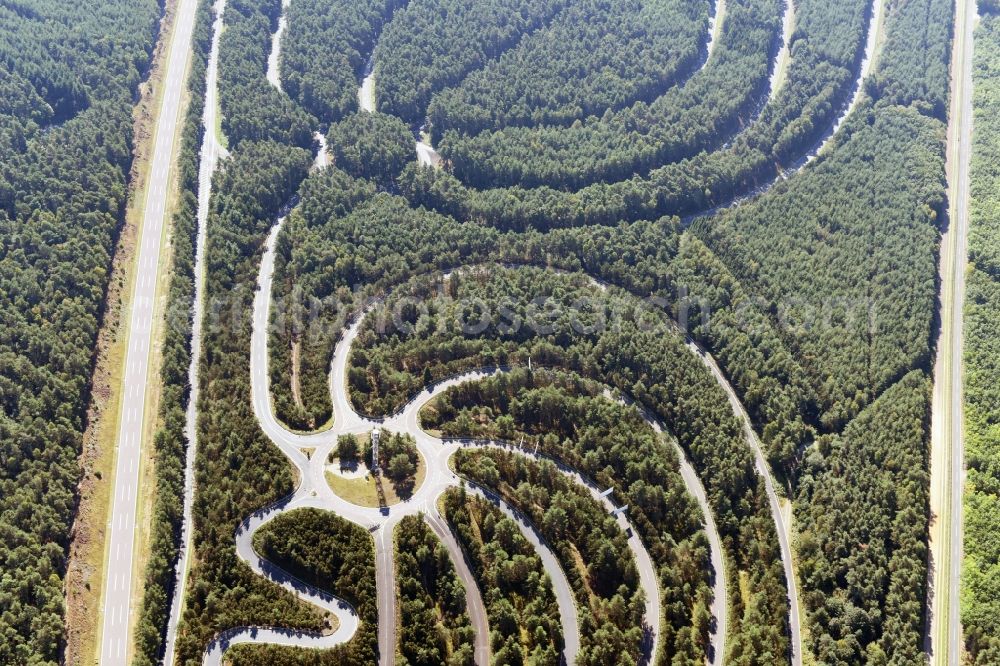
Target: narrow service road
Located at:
point(343, 617)
point(867, 63)
point(563, 592)
point(649, 581)
point(211, 152)
point(764, 470)
point(779, 68)
point(274, 57)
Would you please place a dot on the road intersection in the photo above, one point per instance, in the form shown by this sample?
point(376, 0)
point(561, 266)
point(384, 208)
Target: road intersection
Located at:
point(347, 420)
point(314, 491)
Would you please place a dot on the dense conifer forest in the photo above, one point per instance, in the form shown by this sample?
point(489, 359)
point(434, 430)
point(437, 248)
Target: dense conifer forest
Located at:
point(434, 44)
point(69, 75)
point(574, 423)
point(326, 48)
point(591, 151)
point(435, 625)
point(980, 569)
point(524, 625)
point(592, 57)
point(253, 109)
point(694, 116)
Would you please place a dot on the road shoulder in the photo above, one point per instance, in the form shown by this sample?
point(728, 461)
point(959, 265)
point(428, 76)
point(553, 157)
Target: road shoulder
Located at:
point(87, 555)
point(942, 642)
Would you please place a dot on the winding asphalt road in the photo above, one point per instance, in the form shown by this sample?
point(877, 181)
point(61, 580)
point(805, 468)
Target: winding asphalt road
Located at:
point(274, 57)
point(346, 619)
point(944, 638)
point(314, 488)
point(122, 524)
point(565, 601)
point(780, 65)
point(473, 597)
point(764, 470)
point(348, 421)
point(865, 69)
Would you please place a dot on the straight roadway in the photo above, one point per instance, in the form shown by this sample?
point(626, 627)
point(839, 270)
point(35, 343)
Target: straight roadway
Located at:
point(274, 57)
point(944, 638)
point(120, 554)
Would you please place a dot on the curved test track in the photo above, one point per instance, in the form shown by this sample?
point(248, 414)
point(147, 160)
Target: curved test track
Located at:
point(314, 491)
point(312, 472)
point(784, 531)
point(865, 68)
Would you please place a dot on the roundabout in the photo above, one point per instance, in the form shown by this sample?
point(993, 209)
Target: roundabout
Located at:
point(361, 497)
point(311, 453)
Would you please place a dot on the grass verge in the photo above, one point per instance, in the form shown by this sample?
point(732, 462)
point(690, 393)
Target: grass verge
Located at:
point(85, 569)
point(364, 491)
point(153, 416)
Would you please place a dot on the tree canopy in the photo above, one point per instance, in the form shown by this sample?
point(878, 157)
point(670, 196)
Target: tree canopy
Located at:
point(592, 57)
point(325, 49)
point(69, 75)
point(981, 564)
point(433, 44)
point(373, 146)
point(435, 627)
point(816, 299)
